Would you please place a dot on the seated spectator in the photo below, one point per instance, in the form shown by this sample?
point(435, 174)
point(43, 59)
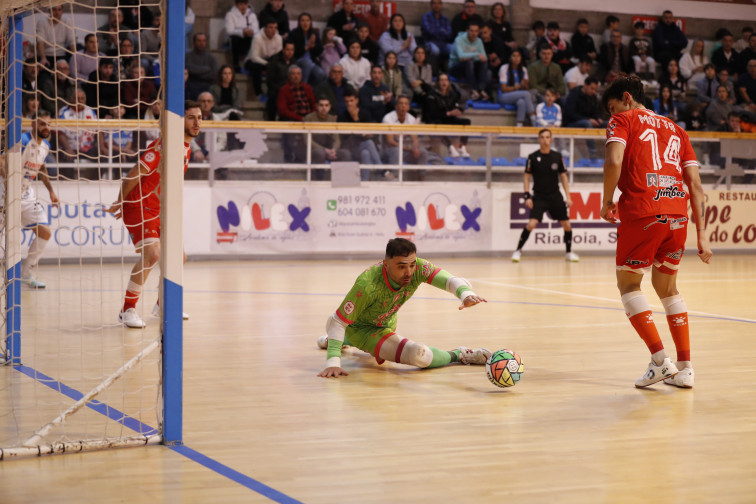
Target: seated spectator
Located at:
point(333, 49)
point(225, 93)
point(645, 66)
point(307, 49)
point(109, 35)
point(496, 50)
point(614, 58)
point(745, 40)
point(545, 74)
point(136, 15)
point(675, 81)
point(103, 89)
point(356, 68)
point(84, 62)
point(576, 75)
point(241, 26)
point(361, 146)
point(398, 40)
point(747, 55)
point(668, 40)
point(150, 41)
point(200, 145)
point(612, 23)
point(692, 63)
point(277, 75)
point(119, 145)
point(583, 46)
point(640, 43)
point(724, 79)
point(538, 30)
point(469, 61)
point(30, 106)
point(696, 119)
point(191, 90)
point(462, 20)
point(443, 105)
point(582, 108)
point(325, 146)
point(370, 47)
point(548, 113)
point(560, 47)
point(717, 111)
point(501, 26)
point(202, 66)
point(77, 143)
point(726, 57)
point(54, 92)
point(127, 60)
point(29, 81)
point(275, 10)
point(296, 98)
point(334, 89)
point(54, 38)
point(375, 96)
point(435, 29)
point(344, 21)
point(707, 87)
point(413, 153)
point(392, 75)
point(515, 85)
point(138, 93)
point(666, 106)
point(265, 45)
point(747, 87)
point(376, 20)
point(420, 74)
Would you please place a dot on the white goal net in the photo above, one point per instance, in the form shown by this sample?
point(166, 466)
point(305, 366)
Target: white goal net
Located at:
point(80, 91)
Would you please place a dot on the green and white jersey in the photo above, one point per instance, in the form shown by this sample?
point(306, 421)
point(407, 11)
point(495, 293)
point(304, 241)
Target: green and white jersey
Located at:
point(374, 299)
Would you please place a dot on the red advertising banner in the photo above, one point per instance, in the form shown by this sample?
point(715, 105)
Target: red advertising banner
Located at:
point(652, 21)
point(362, 6)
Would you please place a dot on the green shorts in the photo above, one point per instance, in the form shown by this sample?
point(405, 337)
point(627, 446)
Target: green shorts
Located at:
point(368, 339)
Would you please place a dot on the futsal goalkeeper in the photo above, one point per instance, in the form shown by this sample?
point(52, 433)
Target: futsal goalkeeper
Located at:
point(366, 318)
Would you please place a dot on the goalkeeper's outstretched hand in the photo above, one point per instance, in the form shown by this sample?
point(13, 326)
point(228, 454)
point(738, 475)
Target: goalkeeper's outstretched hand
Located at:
point(471, 301)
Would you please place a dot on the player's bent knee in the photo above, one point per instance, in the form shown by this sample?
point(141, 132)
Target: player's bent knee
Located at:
point(43, 232)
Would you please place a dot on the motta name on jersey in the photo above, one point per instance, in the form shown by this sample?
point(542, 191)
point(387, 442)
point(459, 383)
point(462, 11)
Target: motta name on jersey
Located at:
point(655, 120)
point(669, 192)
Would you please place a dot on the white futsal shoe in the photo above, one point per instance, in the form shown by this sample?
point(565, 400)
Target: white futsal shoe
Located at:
point(683, 379)
point(130, 318)
point(156, 312)
point(478, 356)
point(516, 256)
point(655, 374)
point(463, 152)
point(33, 283)
point(323, 341)
point(572, 257)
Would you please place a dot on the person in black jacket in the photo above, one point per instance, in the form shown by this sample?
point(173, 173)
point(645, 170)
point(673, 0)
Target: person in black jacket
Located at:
point(344, 21)
point(582, 42)
point(276, 10)
point(668, 40)
point(443, 105)
point(307, 49)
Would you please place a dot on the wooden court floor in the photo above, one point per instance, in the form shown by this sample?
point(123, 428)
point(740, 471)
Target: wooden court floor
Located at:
point(574, 430)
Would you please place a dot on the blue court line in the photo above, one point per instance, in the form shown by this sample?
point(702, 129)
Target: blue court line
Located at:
point(146, 430)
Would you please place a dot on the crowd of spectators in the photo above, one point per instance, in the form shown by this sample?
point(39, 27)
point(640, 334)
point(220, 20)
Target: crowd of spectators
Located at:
point(372, 68)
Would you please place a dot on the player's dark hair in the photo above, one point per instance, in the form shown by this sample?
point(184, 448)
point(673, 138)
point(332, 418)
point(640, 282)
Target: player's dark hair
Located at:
point(399, 247)
point(190, 104)
point(40, 113)
point(544, 129)
point(623, 83)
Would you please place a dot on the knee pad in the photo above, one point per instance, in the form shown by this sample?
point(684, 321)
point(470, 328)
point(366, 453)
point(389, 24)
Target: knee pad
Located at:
point(416, 354)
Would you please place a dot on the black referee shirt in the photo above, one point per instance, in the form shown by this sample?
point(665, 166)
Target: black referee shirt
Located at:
point(545, 170)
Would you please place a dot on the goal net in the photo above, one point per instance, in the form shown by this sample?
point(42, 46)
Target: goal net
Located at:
point(81, 94)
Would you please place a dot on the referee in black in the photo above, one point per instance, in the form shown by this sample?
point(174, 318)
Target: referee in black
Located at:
point(547, 168)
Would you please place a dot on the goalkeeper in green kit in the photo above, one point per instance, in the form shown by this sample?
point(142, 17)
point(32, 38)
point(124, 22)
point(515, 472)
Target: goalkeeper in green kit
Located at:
point(366, 318)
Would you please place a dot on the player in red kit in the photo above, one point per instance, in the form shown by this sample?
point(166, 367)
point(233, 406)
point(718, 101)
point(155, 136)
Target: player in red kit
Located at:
point(138, 204)
point(649, 158)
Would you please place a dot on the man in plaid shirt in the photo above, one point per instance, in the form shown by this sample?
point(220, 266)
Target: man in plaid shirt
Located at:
point(296, 98)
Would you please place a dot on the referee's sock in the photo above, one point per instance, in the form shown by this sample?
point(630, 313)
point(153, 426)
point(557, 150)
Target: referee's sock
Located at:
point(568, 241)
point(523, 238)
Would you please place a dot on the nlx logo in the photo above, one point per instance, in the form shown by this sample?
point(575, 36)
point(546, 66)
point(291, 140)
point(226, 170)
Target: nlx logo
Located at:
point(278, 217)
point(450, 217)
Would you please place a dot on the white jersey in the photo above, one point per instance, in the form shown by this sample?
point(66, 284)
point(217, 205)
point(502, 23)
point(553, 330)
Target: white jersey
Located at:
point(33, 156)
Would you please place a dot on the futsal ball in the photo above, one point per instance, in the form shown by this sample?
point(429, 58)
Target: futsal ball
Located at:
point(504, 368)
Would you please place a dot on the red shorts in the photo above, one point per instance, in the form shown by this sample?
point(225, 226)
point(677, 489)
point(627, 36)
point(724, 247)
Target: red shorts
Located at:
point(142, 223)
point(657, 241)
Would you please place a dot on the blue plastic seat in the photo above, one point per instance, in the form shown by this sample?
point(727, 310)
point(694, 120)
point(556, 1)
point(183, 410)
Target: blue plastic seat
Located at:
point(510, 106)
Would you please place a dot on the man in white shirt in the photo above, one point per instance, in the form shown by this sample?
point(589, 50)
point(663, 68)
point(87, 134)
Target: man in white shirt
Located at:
point(241, 26)
point(264, 45)
point(412, 152)
point(576, 75)
point(54, 38)
point(77, 143)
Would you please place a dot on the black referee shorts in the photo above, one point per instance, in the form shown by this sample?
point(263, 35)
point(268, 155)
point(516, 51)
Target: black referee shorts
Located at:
point(552, 203)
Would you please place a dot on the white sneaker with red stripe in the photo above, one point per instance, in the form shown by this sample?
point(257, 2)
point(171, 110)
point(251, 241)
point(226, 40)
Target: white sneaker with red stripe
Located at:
point(655, 373)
